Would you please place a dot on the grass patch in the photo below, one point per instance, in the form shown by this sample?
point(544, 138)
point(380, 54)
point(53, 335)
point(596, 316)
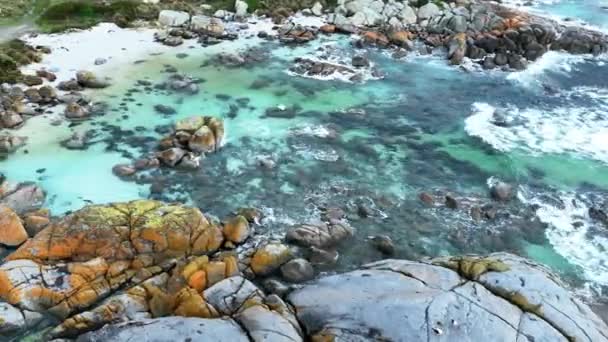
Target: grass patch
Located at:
point(84, 14)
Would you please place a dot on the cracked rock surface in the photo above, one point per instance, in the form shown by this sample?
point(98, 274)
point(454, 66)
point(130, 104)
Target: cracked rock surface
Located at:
point(500, 297)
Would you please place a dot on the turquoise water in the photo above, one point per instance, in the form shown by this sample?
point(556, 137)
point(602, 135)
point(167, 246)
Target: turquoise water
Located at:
point(378, 144)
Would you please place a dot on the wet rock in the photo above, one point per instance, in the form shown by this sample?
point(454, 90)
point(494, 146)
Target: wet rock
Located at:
point(457, 48)
point(11, 143)
point(293, 33)
point(320, 256)
point(169, 329)
point(77, 141)
point(451, 202)
point(164, 109)
point(123, 170)
point(203, 140)
point(268, 258)
point(12, 232)
point(320, 236)
point(502, 191)
point(71, 85)
point(75, 111)
point(275, 286)
point(100, 61)
point(171, 156)
point(360, 61)
point(384, 244)
point(88, 79)
point(297, 270)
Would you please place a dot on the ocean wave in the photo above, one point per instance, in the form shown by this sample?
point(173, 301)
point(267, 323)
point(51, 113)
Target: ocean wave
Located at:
point(572, 233)
point(581, 131)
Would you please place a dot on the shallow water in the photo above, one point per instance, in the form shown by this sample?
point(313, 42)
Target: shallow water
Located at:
point(425, 126)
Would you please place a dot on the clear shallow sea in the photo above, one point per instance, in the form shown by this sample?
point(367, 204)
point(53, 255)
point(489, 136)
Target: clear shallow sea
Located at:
point(425, 127)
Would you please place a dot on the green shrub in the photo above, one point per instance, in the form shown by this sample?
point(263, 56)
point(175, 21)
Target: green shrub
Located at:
point(84, 14)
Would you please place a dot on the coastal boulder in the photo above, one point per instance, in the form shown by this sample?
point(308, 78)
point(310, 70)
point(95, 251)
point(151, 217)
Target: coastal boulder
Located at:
point(173, 18)
point(498, 297)
point(22, 197)
point(12, 232)
point(169, 329)
point(240, 8)
point(269, 258)
point(88, 79)
point(10, 143)
point(319, 236)
point(428, 11)
point(10, 119)
point(207, 25)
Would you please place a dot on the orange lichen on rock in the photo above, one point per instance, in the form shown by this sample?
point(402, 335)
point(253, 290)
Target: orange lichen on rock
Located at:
point(122, 231)
point(236, 229)
point(269, 258)
point(12, 232)
point(189, 303)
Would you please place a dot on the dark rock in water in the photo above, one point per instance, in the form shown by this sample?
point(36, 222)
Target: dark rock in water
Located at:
point(297, 270)
point(10, 143)
point(280, 112)
point(223, 97)
point(451, 202)
point(164, 109)
point(320, 256)
point(71, 85)
point(502, 191)
point(598, 214)
point(360, 61)
point(78, 141)
point(501, 59)
point(384, 244)
point(261, 83)
point(123, 170)
point(364, 211)
point(488, 63)
point(171, 156)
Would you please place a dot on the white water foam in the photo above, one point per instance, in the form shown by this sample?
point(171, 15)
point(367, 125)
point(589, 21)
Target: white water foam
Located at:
point(575, 242)
point(581, 131)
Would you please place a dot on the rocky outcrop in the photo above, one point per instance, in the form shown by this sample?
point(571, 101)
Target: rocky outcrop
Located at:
point(21, 197)
point(125, 270)
point(192, 137)
point(499, 297)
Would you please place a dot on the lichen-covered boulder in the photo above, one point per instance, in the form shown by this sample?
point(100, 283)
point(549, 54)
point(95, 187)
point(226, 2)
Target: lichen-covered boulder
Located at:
point(496, 298)
point(269, 257)
point(87, 255)
point(12, 232)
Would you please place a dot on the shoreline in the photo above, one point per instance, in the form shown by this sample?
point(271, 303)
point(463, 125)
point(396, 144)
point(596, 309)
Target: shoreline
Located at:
point(235, 236)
